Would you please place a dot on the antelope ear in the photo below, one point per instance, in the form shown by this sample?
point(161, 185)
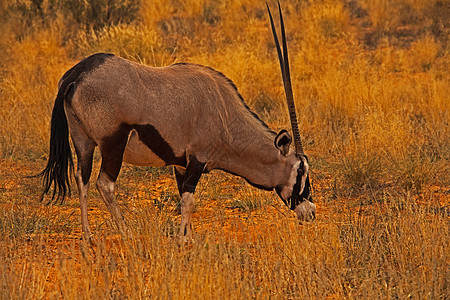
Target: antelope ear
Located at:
point(283, 141)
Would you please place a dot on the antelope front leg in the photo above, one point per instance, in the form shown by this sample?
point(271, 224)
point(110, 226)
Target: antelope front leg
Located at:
point(187, 208)
point(187, 180)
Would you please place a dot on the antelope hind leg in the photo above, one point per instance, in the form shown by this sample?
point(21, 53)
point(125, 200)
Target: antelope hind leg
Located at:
point(112, 154)
point(84, 149)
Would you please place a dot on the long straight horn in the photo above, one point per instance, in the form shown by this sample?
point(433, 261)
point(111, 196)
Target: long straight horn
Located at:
point(284, 65)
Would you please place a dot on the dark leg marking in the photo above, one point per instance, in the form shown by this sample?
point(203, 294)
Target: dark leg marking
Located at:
point(84, 158)
point(189, 181)
point(84, 148)
point(194, 171)
point(112, 149)
point(179, 176)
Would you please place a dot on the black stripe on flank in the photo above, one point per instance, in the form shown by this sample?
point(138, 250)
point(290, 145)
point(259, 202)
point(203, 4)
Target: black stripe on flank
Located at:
point(158, 145)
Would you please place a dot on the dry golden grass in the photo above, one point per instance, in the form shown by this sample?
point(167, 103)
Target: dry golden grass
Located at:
point(371, 83)
point(397, 247)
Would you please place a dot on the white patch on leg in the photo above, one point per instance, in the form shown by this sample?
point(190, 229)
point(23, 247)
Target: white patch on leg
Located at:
point(83, 195)
point(187, 208)
point(106, 188)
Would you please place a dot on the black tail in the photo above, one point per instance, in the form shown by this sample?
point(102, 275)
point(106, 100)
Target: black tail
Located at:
point(60, 164)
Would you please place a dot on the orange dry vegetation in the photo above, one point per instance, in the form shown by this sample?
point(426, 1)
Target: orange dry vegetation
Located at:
point(371, 84)
point(394, 246)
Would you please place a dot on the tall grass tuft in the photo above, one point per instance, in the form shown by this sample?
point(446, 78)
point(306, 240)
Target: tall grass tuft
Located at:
point(398, 249)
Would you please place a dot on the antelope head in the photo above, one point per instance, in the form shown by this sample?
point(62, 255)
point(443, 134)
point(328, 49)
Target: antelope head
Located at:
point(296, 194)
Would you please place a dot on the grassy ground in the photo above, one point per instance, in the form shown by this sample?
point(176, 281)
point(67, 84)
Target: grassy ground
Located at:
point(371, 84)
point(247, 244)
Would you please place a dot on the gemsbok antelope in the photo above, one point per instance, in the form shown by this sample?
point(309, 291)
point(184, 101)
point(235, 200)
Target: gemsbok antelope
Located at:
point(186, 115)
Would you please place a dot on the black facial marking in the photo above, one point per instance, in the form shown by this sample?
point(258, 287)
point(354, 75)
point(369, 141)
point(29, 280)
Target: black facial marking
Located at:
point(307, 191)
point(296, 197)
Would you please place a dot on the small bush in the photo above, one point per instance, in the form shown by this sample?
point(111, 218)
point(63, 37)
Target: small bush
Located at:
point(415, 171)
point(250, 200)
point(96, 14)
point(360, 172)
point(423, 54)
point(138, 43)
